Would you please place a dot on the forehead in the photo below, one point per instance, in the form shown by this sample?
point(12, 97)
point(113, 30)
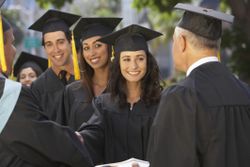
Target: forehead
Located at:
point(27, 70)
point(54, 35)
point(133, 53)
point(91, 40)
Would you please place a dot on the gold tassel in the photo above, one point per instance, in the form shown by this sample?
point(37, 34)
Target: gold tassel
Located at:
point(75, 59)
point(219, 56)
point(112, 54)
point(2, 56)
point(49, 63)
point(12, 77)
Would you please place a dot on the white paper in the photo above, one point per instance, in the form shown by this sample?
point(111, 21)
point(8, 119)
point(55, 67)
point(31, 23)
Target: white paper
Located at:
point(127, 163)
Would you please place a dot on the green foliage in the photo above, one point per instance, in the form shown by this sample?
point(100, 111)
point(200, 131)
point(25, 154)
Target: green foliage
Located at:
point(239, 44)
point(164, 22)
point(161, 6)
point(107, 8)
point(57, 3)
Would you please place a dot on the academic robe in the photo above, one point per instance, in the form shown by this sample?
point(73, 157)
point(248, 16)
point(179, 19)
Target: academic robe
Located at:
point(48, 90)
point(204, 121)
point(114, 134)
point(29, 139)
point(77, 106)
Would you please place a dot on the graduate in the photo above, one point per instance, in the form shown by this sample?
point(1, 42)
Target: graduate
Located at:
point(29, 67)
point(56, 39)
point(204, 120)
point(27, 138)
point(94, 62)
point(119, 128)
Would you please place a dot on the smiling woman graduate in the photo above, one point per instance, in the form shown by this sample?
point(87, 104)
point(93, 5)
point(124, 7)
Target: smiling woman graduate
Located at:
point(95, 62)
point(120, 125)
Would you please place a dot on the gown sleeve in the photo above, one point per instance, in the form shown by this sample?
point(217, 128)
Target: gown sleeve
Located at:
point(93, 133)
point(30, 135)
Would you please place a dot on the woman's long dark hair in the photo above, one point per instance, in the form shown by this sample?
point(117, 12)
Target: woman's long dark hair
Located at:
point(150, 83)
point(87, 71)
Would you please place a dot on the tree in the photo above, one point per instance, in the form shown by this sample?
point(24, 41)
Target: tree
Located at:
point(57, 3)
point(237, 39)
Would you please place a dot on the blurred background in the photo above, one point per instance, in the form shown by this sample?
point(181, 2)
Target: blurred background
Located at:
point(155, 14)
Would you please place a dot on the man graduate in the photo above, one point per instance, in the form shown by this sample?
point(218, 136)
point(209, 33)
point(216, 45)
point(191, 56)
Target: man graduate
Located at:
point(203, 121)
point(27, 138)
point(56, 39)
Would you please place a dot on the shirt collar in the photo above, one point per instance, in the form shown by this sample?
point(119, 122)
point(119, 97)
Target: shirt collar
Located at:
point(200, 62)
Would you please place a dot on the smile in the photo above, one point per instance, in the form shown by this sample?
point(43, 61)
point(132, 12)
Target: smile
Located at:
point(94, 60)
point(58, 57)
point(134, 72)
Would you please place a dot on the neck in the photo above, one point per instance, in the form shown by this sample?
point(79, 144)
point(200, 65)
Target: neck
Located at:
point(100, 80)
point(69, 68)
point(100, 77)
point(133, 92)
point(192, 58)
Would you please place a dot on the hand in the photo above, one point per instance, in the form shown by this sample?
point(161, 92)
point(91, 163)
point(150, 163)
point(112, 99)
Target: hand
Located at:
point(79, 136)
point(135, 165)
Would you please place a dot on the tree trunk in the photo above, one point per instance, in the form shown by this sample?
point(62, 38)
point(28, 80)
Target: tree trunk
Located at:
point(241, 11)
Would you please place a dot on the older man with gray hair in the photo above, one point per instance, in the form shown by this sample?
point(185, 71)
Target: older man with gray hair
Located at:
point(203, 121)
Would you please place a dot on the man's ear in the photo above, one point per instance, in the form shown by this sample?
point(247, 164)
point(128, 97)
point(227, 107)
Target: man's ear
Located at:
point(182, 42)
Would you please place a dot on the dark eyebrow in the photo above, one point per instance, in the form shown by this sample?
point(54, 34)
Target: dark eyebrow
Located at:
point(125, 56)
point(60, 39)
point(140, 55)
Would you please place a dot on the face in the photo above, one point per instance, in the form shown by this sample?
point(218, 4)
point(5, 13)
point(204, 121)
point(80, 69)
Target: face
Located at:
point(58, 48)
point(9, 50)
point(95, 53)
point(27, 76)
point(133, 65)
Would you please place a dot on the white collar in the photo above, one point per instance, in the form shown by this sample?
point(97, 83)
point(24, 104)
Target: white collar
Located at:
point(1, 75)
point(200, 62)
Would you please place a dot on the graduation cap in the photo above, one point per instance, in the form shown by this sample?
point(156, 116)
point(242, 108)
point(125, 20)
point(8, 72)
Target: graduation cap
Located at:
point(95, 26)
point(54, 20)
point(130, 38)
point(202, 21)
point(26, 60)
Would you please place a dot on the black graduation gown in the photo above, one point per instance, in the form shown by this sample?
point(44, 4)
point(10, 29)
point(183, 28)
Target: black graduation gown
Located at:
point(113, 134)
point(48, 90)
point(28, 139)
point(202, 121)
point(77, 107)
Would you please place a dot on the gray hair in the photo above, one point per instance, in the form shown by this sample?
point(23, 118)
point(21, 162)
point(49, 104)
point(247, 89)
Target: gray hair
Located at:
point(198, 41)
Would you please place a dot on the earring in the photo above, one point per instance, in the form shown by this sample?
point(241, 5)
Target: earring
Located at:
point(112, 54)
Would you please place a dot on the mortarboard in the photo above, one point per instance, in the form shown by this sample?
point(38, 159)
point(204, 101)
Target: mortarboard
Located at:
point(202, 21)
point(95, 26)
point(54, 20)
point(130, 38)
point(28, 60)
